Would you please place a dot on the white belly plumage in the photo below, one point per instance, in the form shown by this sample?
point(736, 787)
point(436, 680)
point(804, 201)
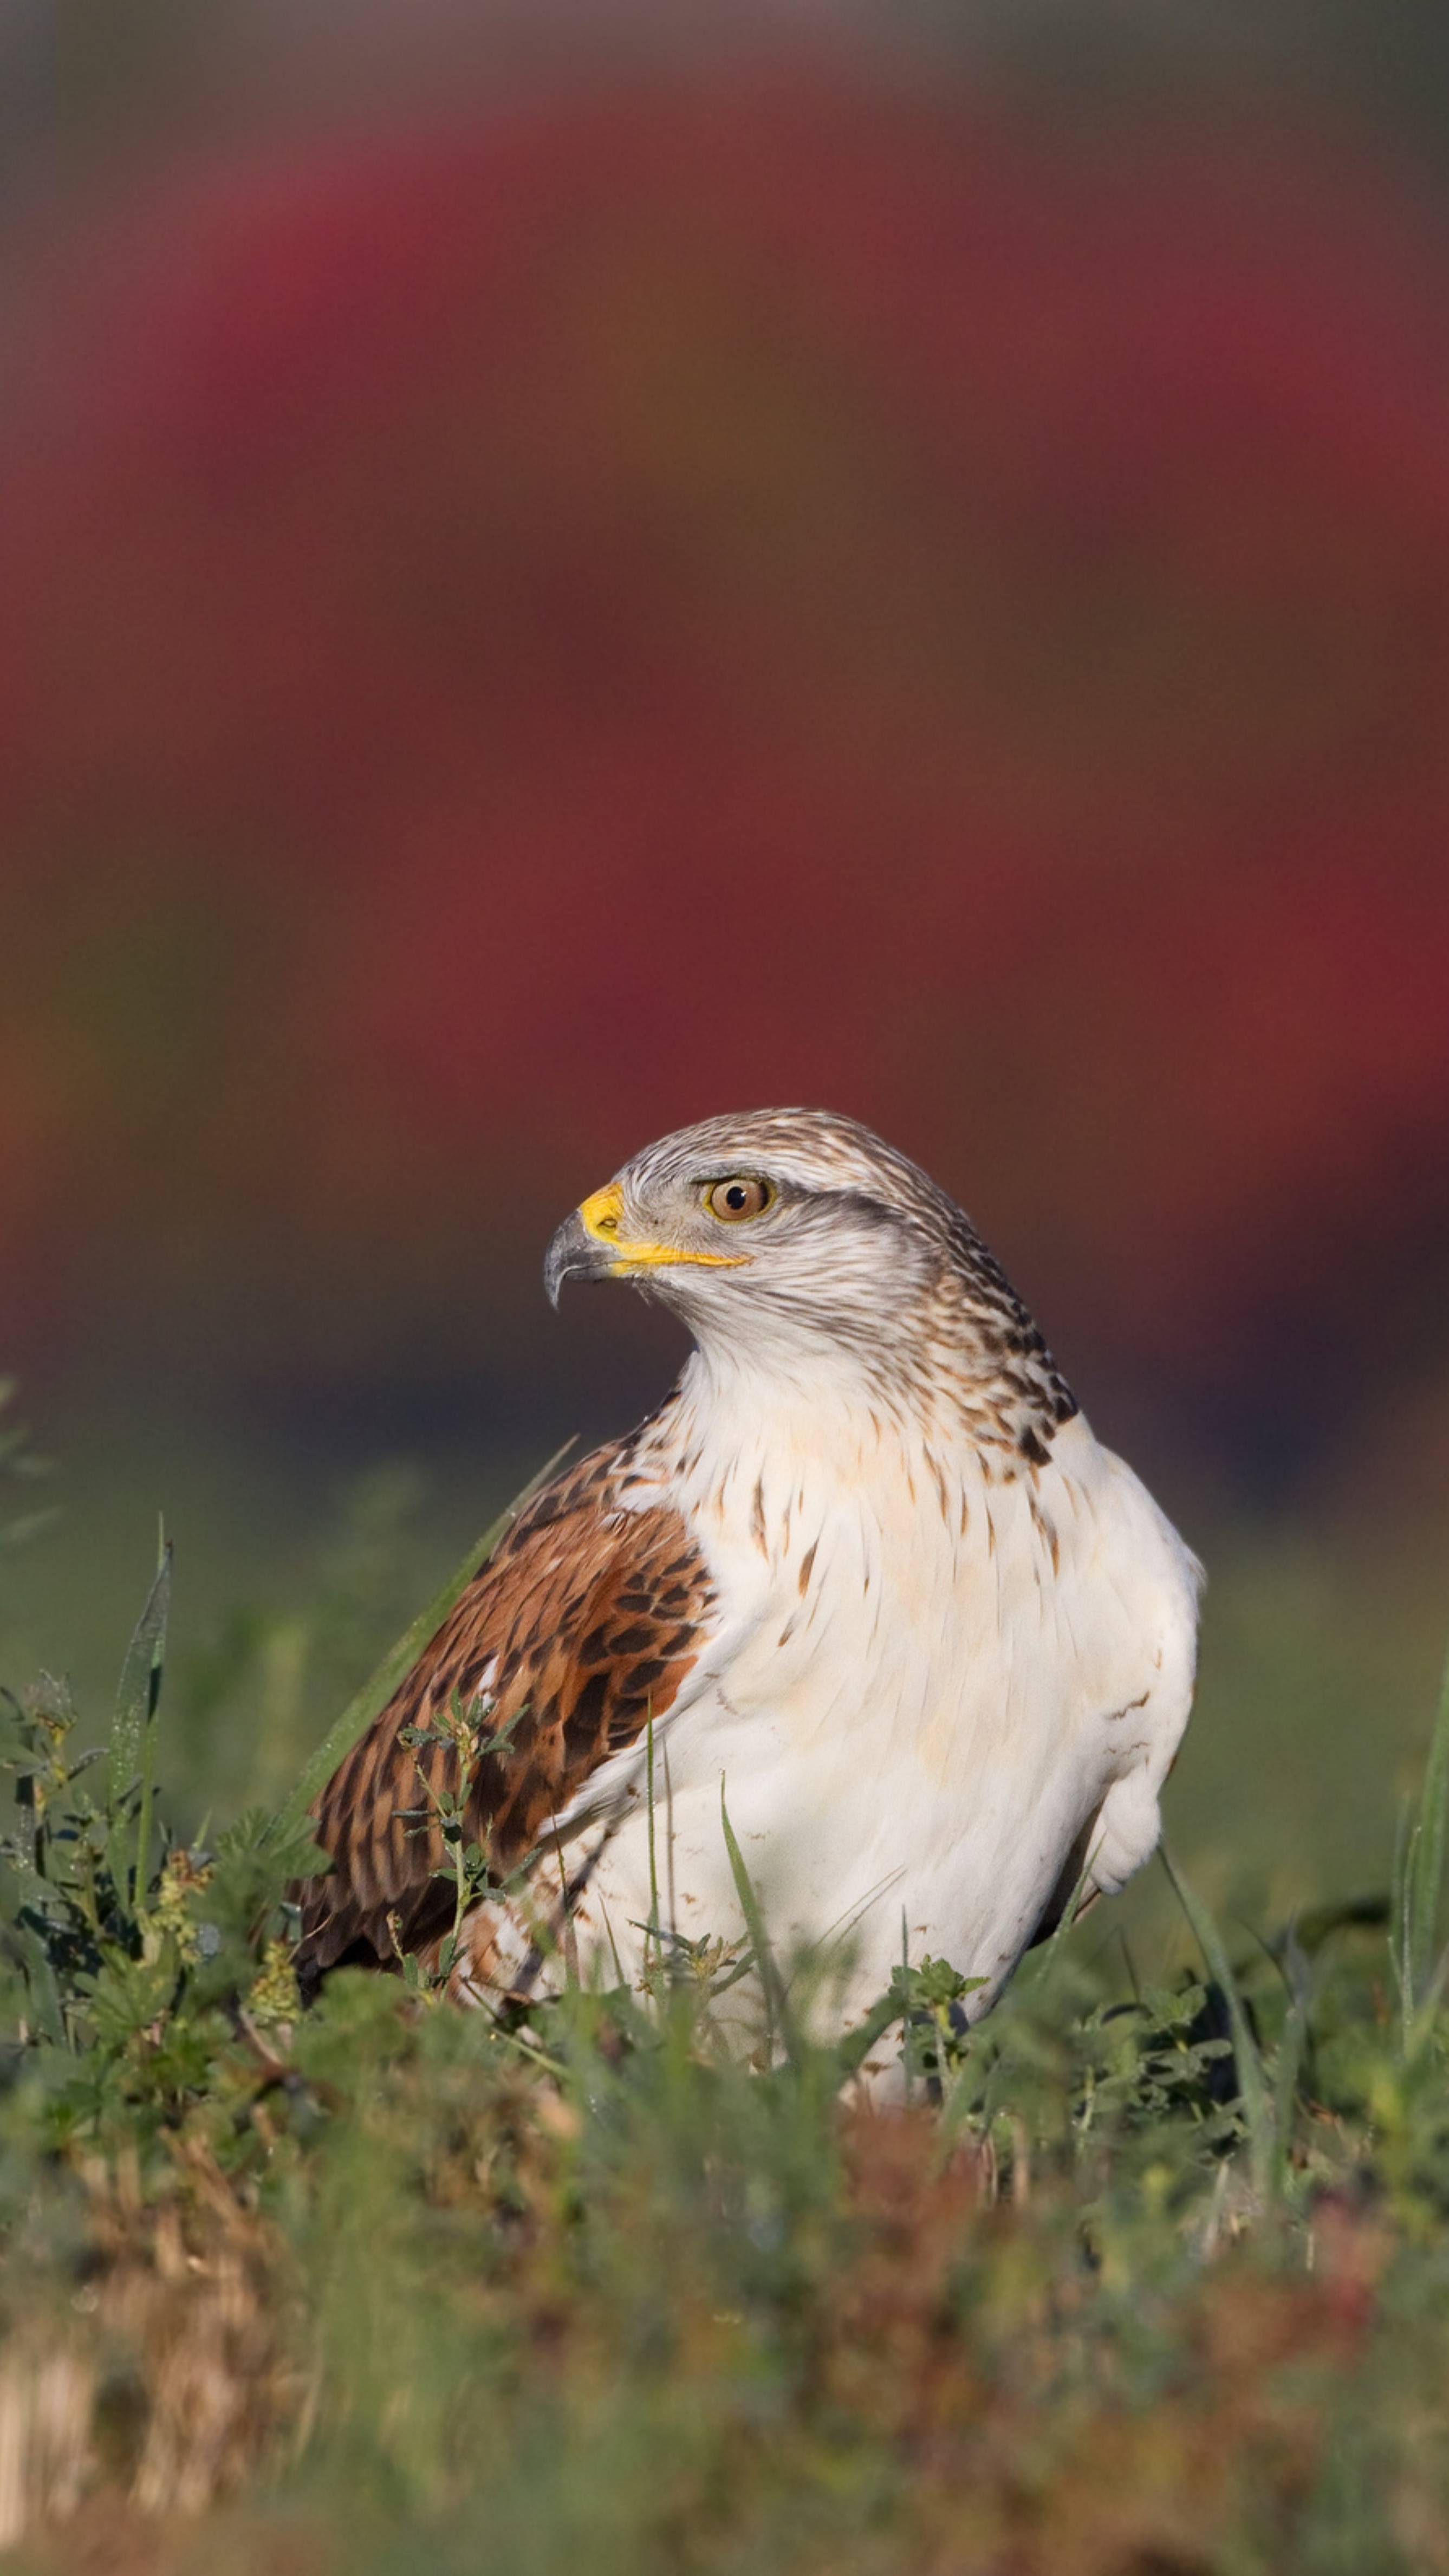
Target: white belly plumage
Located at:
point(930, 1679)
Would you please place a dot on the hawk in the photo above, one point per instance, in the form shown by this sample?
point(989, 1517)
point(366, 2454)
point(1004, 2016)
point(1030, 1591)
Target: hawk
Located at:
point(866, 1576)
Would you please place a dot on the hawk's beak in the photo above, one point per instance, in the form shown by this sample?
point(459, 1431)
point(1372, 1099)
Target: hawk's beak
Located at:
point(590, 1244)
point(587, 1244)
point(574, 1254)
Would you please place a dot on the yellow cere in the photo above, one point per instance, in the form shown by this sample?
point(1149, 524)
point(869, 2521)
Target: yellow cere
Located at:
point(601, 1213)
point(602, 1216)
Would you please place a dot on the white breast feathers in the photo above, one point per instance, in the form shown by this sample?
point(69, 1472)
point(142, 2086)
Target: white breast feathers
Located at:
point(940, 1682)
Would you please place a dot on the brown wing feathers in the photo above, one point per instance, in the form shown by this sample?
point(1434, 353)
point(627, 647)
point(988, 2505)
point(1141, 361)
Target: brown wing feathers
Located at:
point(585, 1620)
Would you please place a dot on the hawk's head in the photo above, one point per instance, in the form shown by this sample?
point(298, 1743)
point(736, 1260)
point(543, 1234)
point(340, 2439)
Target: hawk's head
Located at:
point(789, 1230)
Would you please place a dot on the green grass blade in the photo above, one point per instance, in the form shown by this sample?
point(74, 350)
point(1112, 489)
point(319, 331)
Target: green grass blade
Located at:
point(1405, 1830)
point(380, 1684)
point(1285, 2085)
point(46, 2011)
point(772, 1984)
point(851, 2052)
point(130, 1756)
point(139, 1687)
point(149, 1731)
point(1426, 1862)
point(1258, 2110)
point(653, 1939)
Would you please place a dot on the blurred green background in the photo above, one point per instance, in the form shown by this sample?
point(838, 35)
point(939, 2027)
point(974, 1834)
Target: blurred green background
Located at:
point(566, 569)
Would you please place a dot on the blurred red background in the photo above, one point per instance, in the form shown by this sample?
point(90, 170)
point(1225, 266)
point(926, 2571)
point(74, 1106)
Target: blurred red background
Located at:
point(527, 625)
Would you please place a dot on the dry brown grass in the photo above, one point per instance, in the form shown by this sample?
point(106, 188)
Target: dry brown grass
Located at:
point(164, 2380)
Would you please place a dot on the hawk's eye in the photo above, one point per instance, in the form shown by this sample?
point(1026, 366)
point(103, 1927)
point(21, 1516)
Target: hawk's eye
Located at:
point(734, 1200)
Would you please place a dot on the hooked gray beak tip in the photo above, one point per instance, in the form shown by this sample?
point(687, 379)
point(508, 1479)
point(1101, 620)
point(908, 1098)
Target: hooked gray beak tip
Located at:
point(570, 1255)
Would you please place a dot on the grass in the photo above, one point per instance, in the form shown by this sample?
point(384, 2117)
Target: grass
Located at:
point(1148, 2274)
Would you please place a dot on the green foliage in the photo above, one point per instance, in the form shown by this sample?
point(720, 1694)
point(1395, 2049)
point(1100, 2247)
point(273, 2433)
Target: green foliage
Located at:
point(129, 1972)
point(466, 1733)
point(1119, 2277)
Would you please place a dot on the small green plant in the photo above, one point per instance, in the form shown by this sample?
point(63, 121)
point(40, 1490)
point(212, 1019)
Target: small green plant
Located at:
point(127, 1956)
point(466, 1738)
point(936, 2037)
